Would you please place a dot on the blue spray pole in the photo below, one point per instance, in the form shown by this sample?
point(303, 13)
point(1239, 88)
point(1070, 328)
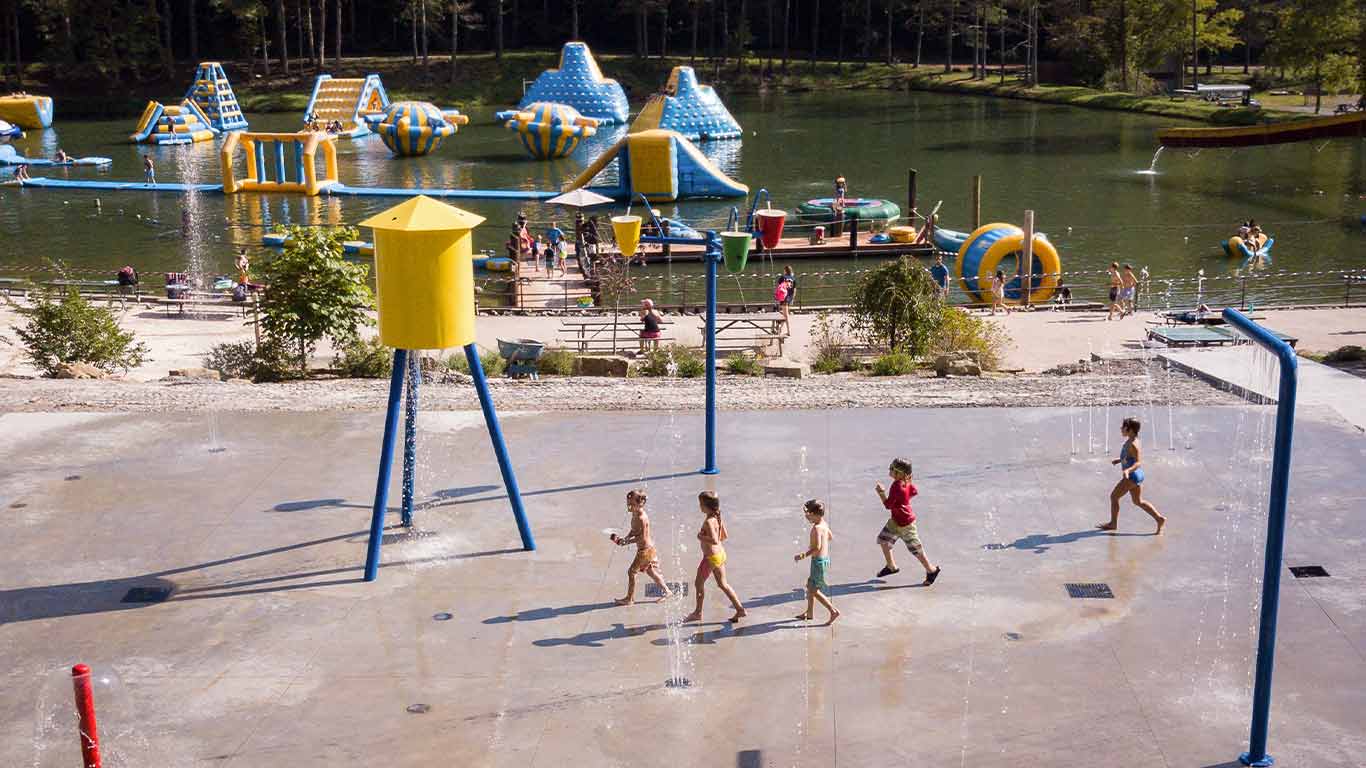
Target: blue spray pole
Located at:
point(713, 257)
point(1275, 533)
point(410, 437)
point(386, 464)
point(481, 385)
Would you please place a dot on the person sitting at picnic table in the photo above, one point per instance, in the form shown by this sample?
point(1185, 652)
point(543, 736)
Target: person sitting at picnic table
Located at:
point(649, 317)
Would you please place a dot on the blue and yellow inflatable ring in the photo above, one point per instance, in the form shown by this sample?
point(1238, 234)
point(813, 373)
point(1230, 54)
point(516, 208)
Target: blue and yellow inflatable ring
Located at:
point(413, 128)
point(548, 130)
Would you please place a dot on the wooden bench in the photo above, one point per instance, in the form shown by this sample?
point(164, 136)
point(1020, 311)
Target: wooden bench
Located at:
point(750, 331)
point(598, 334)
point(199, 301)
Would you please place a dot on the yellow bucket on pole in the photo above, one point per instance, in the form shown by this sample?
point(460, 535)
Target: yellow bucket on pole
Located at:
point(627, 231)
point(424, 265)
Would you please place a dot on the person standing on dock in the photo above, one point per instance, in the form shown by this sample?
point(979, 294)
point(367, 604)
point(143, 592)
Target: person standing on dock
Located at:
point(1129, 289)
point(554, 234)
point(1116, 282)
point(940, 274)
point(149, 170)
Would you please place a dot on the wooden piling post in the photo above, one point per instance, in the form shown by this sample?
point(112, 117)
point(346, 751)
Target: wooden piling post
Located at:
point(853, 234)
point(910, 196)
point(976, 202)
point(1027, 262)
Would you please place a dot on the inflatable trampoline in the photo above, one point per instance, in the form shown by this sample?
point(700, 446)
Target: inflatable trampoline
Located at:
point(32, 112)
point(993, 247)
point(822, 209)
point(10, 156)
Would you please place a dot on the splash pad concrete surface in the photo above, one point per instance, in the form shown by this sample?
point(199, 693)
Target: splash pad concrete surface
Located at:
point(271, 651)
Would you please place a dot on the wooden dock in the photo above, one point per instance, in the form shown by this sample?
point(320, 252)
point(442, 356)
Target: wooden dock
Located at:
point(837, 247)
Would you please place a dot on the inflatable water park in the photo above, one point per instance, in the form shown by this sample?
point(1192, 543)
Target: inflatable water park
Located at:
point(208, 109)
point(578, 83)
point(26, 112)
point(689, 108)
point(349, 102)
point(548, 130)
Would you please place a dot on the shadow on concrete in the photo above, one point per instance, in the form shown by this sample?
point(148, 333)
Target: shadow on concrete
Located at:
point(596, 639)
point(798, 595)
point(453, 495)
point(80, 598)
point(1038, 543)
point(541, 614)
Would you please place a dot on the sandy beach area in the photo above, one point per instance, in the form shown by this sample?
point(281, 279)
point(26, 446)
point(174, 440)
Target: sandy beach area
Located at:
point(1041, 341)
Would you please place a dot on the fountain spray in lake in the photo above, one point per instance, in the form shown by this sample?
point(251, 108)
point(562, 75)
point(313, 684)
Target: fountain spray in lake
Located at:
point(1152, 167)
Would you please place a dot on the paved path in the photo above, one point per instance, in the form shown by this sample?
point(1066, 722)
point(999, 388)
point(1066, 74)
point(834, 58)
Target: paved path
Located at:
point(1319, 385)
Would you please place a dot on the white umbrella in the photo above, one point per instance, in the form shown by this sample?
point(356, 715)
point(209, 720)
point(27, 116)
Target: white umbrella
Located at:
point(579, 198)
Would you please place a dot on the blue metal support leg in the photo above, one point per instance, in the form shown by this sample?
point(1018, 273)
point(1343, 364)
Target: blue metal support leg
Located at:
point(1275, 533)
point(713, 257)
point(410, 436)
point(386, 464)
point(481, 385)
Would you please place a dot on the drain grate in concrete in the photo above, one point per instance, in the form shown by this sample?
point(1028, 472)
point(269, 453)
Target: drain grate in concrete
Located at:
point(678, 682)
point(443, 616)
point(749, 758)
point(1308, 571)
point(146, 595)
point(1083, 590)
point(418, 709)
point(1013, 636)
point(677, 587)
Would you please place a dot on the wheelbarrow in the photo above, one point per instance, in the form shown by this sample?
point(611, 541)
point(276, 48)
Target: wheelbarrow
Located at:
point(522, 356)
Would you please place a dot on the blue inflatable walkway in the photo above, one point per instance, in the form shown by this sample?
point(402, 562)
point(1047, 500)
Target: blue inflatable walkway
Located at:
point(335, 189)
point(468, 194)
point(120, 186)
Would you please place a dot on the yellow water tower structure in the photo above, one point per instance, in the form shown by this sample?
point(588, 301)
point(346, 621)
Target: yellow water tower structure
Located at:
point(424, 264)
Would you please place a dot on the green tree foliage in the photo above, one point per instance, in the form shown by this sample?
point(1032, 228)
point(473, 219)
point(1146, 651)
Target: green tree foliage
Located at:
point(1319, 39)
point(72, 330)
point(896, 306)
point(1216, 27)
point(313, 292)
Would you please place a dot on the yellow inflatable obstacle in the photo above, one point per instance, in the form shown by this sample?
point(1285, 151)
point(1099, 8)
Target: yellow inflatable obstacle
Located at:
point(25, 111)
point(984, 252)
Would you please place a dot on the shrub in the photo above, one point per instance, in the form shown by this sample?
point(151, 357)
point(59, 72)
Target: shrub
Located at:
point(896, 307)
point(492, 363)
point(830, 347)
point(557, 362)
point(364, 359)
point(894, 364)
point(1348, 354)
point(673, 360)
point(314, 292)
point(744, 365)
point(72, 330)
point(233, 359)
point(244, 360)
point(960, 331)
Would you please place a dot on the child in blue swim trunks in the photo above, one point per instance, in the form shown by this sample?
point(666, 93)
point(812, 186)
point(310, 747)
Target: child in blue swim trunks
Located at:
point(1130, 462)
point(819, 552)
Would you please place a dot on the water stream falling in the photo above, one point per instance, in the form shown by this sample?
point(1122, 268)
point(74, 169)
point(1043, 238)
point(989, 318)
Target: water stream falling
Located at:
point(194, 231)
point(681, 669)
point(1152, 167)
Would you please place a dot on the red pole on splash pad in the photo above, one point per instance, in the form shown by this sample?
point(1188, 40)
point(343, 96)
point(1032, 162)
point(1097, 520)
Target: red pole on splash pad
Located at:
point(85, 709)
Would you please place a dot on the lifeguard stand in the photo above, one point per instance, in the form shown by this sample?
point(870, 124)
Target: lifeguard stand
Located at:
point(425, 289)
point(303, 152)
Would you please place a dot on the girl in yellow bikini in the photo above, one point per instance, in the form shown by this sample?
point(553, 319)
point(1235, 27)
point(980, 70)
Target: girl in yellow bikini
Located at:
point(712, 533)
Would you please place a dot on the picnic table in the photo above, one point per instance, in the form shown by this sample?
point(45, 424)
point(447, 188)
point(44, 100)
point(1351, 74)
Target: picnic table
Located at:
point(110, 289)
point(204, 299)
point(597, 334)
point(1205, 336)
point(754, 331)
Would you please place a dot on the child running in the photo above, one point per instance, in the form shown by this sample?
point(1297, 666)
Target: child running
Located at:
point(819, 552)
point(901, 523)
point(1130, 463)
point(647, 558)
point(711, 535)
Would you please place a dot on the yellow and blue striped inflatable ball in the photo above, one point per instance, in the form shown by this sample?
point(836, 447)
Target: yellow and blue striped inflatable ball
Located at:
point(548, 130)
point(414, 128)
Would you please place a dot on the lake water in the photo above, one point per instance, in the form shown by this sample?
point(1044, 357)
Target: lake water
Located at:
point(1078, 169)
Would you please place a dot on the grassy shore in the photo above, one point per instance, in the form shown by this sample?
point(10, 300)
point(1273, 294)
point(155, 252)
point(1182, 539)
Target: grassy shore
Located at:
point(481, 80)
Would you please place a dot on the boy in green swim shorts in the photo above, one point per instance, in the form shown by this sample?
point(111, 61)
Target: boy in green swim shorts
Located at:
point(819, 552)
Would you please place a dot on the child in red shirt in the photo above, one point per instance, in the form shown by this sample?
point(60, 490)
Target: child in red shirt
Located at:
point(901, 524)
